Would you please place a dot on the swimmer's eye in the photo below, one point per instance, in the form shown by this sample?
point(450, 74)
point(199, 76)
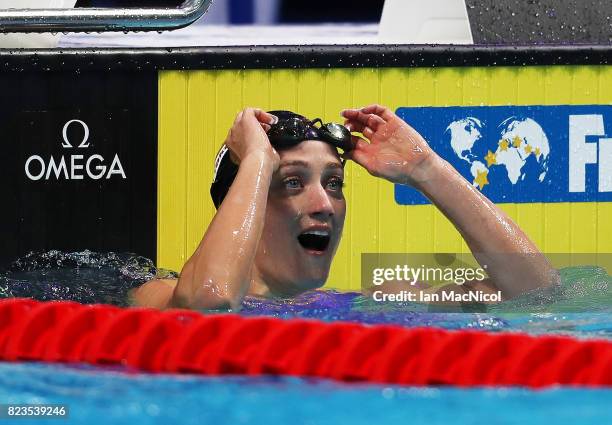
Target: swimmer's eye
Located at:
point(335, 184)
point(292, 183)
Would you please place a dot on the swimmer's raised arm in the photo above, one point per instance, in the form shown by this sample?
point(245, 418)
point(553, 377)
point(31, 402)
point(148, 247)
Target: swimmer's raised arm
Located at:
point(398, 153)
point(218, 273)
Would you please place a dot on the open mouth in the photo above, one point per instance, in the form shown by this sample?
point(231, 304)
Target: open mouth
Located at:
point(314, 240)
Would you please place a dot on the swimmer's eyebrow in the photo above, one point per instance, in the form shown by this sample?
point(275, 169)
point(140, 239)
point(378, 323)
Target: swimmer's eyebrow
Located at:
point(296, 163)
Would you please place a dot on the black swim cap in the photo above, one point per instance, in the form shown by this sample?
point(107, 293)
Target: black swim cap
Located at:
point(225, 172)
point(226, 169)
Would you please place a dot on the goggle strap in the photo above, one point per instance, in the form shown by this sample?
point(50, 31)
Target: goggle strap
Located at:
point(313, 122)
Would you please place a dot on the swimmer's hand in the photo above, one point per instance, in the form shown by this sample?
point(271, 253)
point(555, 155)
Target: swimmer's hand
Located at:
point(395, 152)
point(247, 136)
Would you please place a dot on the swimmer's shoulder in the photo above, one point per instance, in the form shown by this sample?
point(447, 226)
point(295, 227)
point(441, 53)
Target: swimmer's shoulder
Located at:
point(156, 293)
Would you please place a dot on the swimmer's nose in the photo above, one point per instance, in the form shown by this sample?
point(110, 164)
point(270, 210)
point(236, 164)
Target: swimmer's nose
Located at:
point(321, 205)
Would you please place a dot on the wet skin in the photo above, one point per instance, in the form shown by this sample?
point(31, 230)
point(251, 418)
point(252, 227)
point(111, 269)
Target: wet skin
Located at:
point(305, 198)
point(255, 243)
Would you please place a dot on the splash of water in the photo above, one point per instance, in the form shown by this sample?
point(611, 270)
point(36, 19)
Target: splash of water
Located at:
point(581, 305)
point(86, 276)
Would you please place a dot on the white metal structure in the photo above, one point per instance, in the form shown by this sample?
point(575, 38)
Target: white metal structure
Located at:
point(425, 22)
point(14, 40)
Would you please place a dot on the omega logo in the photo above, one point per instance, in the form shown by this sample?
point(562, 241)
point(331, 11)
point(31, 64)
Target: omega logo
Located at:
point(73, 167)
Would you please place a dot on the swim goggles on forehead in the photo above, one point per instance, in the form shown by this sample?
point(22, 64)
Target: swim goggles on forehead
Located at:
point(291, 131)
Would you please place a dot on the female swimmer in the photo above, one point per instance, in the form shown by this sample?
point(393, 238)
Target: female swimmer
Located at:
point(281, 211)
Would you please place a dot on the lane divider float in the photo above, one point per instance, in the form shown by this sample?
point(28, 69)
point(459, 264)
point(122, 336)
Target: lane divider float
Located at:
point(182, 341)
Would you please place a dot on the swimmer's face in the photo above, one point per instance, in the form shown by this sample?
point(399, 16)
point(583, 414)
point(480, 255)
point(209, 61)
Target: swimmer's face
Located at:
point(304, 219)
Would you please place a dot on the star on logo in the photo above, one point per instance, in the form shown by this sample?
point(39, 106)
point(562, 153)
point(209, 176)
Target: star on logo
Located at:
point(491, 159)
point(527, 149)
point(516, 142)
point(481, 178)
point(503, 144)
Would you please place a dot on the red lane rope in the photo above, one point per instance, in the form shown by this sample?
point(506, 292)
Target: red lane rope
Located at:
point(179, 341)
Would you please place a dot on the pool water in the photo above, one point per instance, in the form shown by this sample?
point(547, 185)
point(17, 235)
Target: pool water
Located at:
point(581, 307)
point(121, 397)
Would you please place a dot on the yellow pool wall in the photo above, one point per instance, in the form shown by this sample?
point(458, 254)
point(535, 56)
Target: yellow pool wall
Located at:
point(196, 109)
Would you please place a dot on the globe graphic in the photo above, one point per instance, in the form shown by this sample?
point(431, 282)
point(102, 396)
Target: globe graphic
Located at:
point(516, 152)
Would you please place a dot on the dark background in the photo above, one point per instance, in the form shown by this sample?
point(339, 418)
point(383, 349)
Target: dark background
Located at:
point(117, 215)
point(290, 11)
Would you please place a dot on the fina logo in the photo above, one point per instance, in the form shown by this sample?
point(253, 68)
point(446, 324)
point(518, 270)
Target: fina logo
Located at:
point(582, 152)
point(537, 153)
point(94, 168)
point(521, 138)
point(517, 141)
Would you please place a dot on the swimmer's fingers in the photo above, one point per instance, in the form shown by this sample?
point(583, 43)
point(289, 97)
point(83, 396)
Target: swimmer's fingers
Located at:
point(359, 128)
point(381, 111)
point(354, 126)
point(247, 126)
point(360, 153)
point(369, 120)
point(264, 117)
point(359, 143)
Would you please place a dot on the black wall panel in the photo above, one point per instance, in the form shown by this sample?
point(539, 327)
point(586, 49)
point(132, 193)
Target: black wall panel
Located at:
point(94, 207)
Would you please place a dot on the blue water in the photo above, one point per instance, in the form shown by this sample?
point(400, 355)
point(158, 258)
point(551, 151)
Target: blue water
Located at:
point(120, 396)
point(96, 397)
